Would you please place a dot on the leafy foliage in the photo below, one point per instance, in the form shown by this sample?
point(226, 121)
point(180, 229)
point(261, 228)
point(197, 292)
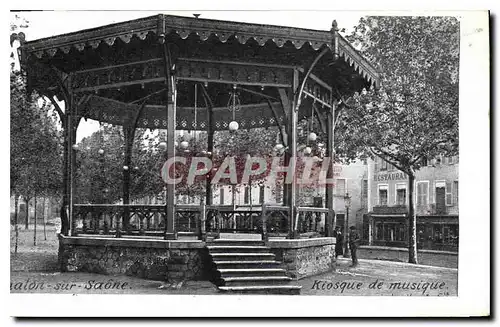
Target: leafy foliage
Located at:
point(36, 152)
point(414, 114)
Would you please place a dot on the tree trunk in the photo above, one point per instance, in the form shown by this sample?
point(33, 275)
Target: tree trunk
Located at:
point(27, 221)
point(34, 228)
point(412, 220)
point(44, 219)
point(16, 202)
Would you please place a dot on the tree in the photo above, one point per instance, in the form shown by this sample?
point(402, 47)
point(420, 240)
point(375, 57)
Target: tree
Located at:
point(414, 114)
point(35, 146)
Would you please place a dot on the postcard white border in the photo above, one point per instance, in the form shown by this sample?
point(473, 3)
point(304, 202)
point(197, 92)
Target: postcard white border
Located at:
point(474, 272)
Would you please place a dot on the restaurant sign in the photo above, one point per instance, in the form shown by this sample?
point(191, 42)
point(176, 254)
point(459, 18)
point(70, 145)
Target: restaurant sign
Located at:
point(390, 176)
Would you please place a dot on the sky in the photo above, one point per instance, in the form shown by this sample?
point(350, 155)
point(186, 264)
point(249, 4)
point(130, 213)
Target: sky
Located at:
point(43, 24)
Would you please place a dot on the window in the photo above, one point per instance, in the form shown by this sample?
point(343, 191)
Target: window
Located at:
point(379, 232)
point(449, 194)
point(424, 162)
point(400, 194)
point(261, 194)
point(455, 192)
point(341, 188)
point(382, 194)
point(422, 193)
point(383, 165)
point(440, 197)
point(246, 196)
point(450, 234)
point(221, 198)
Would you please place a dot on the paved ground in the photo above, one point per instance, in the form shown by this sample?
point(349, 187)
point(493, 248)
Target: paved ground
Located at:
point(377, 277)
point(34, 269)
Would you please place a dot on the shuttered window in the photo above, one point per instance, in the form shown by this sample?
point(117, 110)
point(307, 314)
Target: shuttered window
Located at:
point(422, 193)
point(449, 194)
point(261, 194)
point(455, 192)
point(383, 194)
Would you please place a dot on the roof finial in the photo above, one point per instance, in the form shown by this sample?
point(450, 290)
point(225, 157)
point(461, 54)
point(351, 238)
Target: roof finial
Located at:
point(196, 15)
point(335, 26)
point(335, 40)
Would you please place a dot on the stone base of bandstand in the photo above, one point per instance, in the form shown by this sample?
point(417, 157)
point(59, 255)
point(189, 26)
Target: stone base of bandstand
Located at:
point(168, 260)
point(305, 257)
point(175, 260)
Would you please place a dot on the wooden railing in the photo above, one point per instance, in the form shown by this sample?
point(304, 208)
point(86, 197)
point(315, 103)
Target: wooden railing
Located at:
point(228, 218)
point(198, 220)
point(133, 219)
point(309, 220)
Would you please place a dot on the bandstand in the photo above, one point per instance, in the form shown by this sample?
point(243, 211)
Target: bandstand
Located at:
point(144, 73)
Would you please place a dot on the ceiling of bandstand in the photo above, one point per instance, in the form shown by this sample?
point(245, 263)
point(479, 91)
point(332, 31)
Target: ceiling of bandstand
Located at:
point(98, 51)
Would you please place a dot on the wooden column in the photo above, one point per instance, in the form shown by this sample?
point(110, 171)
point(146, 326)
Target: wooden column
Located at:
point(170, 107)
point(210, 149)
point(128, 133)
point(170, 205)
point(292, 146)
point(330, 151)
point(71, 153)
point(65, 225)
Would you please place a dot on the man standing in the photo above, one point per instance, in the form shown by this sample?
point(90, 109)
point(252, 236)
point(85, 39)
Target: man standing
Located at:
point(339, 248)
point(354, 240)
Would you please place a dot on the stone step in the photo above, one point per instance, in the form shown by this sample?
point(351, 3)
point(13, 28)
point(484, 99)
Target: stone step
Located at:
point(255, 280)
point(242, 256)
point(244, 272)
point(237, 242)
point(236, 248)
point(263, 289)
point(247, 264)
point(239, 236)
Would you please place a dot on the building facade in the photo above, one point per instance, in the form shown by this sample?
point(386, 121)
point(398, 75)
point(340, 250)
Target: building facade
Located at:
point(436, 205)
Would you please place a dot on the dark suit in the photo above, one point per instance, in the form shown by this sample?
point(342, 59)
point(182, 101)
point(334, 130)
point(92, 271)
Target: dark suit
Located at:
point(354, 240)
point(339, 244)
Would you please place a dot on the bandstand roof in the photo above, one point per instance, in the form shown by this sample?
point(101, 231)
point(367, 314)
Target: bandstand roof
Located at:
point(113, 69)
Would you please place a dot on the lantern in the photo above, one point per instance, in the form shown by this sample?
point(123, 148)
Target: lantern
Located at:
point(233, 126)
point(307, 150)
point(184, 144)
point(75, 147)
point(125, 167)
point(312, 137)
point(279, 147)
point(163, 145)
